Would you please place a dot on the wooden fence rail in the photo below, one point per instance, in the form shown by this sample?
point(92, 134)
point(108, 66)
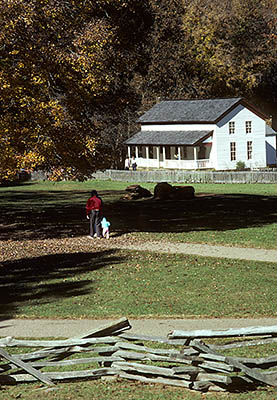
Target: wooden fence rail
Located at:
point(110, 351)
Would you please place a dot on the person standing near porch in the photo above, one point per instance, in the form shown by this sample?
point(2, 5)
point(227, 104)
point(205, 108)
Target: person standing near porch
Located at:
point(134, 163)
point(127, 163)
point(94, 214)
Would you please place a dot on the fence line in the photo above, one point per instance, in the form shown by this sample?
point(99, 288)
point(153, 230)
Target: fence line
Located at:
point(183, 176)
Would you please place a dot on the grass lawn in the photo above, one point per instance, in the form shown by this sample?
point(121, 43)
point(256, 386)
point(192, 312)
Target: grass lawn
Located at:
point(97, 283)
point(123, 390)
point(232, 214)
point(49, 269)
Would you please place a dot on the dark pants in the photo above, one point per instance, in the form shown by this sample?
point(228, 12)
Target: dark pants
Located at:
point(95, 223)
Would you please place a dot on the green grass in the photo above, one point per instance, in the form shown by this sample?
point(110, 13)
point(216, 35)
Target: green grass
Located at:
point(126, 390)
point(115, 283)
point(240, 215)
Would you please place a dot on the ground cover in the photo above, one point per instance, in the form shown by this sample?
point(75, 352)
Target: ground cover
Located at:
point(122, 390)
point(50, 269)
point(73, 278)
point(233, 215)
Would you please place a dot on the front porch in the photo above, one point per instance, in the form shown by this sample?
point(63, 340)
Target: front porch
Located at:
point(172, 157)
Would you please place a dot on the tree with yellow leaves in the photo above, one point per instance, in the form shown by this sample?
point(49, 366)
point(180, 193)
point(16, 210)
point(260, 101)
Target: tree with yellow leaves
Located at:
point(62, 62)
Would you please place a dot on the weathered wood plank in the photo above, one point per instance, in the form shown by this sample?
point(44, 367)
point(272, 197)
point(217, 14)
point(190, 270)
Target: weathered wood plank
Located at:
point(158, 339)
point(186, 369)
point(129, 355)
point(29, 369)
point(243, 344)
point(212, 357)
point(58, 376)
point(266, 362)
point(143, 368)
point(76, 361)
point(206, 385)
point(269, 380)
point(232, 332)
point(253, 374)
point(108, 329)
point(226, 380)
point(168, 352)
point(216, 366)
point(57, 343)
point(202, 347)
point(161, 380)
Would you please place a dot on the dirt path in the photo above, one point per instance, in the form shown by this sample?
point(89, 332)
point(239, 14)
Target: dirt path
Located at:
point(197, 249)
point(66, 328)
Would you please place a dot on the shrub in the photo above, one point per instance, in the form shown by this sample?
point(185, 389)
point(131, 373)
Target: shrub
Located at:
point(240, 166)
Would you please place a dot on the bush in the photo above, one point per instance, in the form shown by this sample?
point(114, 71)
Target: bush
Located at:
point(240, 166)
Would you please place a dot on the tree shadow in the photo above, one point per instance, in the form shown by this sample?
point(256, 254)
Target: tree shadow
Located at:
point(57, 214)
point(42, 280)
point(204, 212)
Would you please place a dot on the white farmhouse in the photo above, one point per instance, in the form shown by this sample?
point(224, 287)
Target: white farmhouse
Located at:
point(198, 134)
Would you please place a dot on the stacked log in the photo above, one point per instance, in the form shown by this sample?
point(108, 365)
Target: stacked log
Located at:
point(186, 361)
point(165, 191)
point(135, 192)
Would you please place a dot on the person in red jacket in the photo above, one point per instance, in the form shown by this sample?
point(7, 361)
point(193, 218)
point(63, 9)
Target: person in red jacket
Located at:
point(94, 213)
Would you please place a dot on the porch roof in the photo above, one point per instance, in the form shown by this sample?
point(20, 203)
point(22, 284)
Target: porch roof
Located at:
point(169, 138)
point(269, 131)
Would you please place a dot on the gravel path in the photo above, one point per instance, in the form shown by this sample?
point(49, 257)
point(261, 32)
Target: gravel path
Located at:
point(66, 328)
point(202, 250)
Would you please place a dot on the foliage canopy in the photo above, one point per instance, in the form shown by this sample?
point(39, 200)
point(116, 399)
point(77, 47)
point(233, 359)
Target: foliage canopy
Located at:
point(75, 75)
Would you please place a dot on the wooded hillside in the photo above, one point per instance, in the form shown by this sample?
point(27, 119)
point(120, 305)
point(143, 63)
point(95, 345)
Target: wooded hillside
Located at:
point(75, 75)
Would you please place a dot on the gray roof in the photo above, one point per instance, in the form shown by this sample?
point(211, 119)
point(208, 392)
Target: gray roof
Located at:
point(269, 131)
point(174, 138)
point(176, 111)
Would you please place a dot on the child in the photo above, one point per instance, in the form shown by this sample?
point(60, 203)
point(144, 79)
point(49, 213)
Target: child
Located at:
point(105, 227)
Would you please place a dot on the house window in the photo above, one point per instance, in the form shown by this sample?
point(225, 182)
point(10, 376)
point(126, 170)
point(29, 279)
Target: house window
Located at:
point(140, 154)
point(233, 151)
point(249, 150)
point(231, 128)
point(151, 152)
point(248, 126)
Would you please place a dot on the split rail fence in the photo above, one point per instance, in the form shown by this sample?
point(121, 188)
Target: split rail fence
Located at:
point(180, 359)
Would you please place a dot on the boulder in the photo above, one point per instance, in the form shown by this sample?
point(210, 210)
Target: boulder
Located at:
point(135, 192)
point(163, 190)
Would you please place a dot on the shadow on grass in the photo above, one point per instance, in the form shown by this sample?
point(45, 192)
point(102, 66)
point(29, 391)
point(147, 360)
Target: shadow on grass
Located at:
point(42, 280)
point(56, 214)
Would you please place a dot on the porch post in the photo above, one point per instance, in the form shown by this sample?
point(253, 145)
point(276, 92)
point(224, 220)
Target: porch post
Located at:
point(179, 156)
point(164, 153)
point(129, 151)
point(136, 152)
point(158, 155)
point(195, 156)
point(147, 155)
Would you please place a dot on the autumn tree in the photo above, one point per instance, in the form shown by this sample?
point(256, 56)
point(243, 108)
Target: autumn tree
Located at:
point(75, 75)
point(232, 44)
point(63, 62)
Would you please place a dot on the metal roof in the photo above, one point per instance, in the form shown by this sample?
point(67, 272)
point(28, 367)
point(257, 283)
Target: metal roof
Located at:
point(163, 138)
point(270, 131)
point(193, 111)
